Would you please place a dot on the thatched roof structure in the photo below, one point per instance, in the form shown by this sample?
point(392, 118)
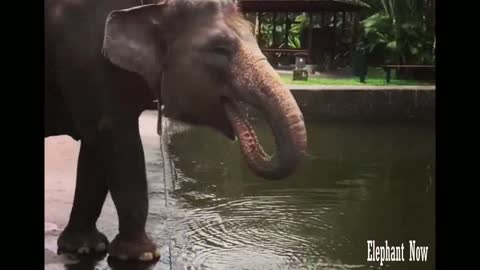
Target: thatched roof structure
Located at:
point(301, 5)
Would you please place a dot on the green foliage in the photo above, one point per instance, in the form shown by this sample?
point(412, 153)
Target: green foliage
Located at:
point(298, 23)
point(401, 30)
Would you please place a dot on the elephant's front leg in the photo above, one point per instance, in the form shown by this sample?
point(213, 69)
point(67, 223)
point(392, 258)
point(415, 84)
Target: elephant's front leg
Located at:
point(128, 186)
point(81, 234)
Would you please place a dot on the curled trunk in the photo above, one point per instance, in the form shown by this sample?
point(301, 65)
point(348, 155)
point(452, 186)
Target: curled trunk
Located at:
point(265, 91)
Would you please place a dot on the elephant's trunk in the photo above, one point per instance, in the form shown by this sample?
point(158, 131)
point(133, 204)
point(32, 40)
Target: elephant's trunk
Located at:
point(264, 90)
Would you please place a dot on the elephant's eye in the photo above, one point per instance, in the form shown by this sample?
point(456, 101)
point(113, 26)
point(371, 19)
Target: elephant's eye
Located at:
point(222, 50)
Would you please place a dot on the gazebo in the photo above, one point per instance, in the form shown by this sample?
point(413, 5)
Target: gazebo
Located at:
point(328, 22)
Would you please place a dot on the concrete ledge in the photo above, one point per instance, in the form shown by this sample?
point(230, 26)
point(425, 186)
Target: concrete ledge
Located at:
point(370, 103)
point(366, 103)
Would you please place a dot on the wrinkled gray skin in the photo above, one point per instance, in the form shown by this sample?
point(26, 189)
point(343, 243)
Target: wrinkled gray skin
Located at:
point(107, 60)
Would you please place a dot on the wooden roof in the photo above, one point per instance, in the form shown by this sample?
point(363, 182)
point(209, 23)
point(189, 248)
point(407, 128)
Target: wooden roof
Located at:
point(300, 5)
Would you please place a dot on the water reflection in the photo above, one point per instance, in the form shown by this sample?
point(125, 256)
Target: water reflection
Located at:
point(358, 183)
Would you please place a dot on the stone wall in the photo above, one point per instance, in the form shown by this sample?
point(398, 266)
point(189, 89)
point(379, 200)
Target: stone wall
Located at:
point(394, 104)
point(355, 103)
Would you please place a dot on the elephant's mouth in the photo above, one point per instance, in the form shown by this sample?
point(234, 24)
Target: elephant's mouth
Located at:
point(237, 117)
point(242, 128)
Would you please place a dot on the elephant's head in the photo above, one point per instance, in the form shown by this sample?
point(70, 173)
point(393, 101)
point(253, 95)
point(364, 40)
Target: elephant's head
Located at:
point(202, 60)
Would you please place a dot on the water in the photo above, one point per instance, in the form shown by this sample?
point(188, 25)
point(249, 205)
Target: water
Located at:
point(359, 182)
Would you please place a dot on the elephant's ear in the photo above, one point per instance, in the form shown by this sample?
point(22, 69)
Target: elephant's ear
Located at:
point(132, 42)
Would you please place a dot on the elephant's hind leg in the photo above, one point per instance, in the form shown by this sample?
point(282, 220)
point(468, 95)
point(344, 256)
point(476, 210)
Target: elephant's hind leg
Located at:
point(81, 235)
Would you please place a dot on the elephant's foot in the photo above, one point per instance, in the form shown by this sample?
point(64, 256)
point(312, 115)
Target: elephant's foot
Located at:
point(139, 248)
point(83, 243)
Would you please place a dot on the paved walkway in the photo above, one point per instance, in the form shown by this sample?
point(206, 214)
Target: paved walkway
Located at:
point(61, 153)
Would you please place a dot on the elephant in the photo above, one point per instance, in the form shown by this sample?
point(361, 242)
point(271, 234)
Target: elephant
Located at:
point(105, 63)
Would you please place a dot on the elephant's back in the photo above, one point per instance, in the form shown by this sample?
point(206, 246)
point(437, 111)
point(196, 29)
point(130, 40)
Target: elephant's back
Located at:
point(74, 30)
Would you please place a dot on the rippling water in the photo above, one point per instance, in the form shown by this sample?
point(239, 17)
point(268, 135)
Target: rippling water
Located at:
point(207, 210)
point(358, 182)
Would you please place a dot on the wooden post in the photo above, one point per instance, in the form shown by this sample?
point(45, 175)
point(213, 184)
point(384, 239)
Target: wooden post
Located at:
point(287, 28)
point(259, 37)
point(434, 33)
point(354, 28)
point(334, 38)
point(310, 37)
point(274, 30)
point(351, 45)
point(433, 14)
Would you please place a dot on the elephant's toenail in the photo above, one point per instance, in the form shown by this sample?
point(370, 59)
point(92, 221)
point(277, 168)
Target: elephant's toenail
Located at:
point(100, 247)
point(157, 253)
point(83, 250)
point(147, 256)
point(122, 257)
